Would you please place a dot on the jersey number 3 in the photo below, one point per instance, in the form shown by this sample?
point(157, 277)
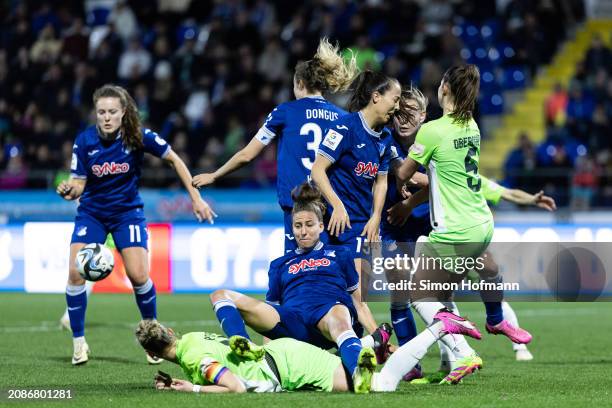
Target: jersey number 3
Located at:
point(471, 166)
point(317, 135)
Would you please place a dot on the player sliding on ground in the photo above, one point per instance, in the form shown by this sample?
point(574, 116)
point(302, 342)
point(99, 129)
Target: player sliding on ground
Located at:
point(313, 295)
point(215, 364)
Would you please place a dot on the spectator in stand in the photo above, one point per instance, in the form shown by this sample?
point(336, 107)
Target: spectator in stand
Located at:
point(134, 63)
point(580, 108)
point(556, 106)
point(584, 184)
point(598, 56)
point(520, 165)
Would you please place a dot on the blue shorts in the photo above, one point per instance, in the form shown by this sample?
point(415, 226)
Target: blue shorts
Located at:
point(409, 232)
point(301, 324)
point(290, 242)
point(351, 238)
point(128, 229)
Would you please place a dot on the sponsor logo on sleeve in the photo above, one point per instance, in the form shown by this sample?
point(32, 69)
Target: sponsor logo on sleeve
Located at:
point(417, 148)
point(332, 139)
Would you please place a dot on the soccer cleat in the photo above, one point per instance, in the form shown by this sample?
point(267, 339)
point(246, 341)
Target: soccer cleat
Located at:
point(453, 324)
point(433, 378)
point(246, 349)
point(381, 336)
point(362, 377)
point(515, 334)
point(523, 355)
point(154, 360)
point(414, 374)
point(465, 367)
point(80, 354)
point(64, 322)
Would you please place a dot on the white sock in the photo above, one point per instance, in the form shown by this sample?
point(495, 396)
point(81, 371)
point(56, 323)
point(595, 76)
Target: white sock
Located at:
point(405, 358)
point(510, 316)
point(456, 342)
point(78, 340)
point(447, 358)
point(367, 341)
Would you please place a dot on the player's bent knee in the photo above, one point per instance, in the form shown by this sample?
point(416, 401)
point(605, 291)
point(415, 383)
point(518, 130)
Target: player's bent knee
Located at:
point(218, 295)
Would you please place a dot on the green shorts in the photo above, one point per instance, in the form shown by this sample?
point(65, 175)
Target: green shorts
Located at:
point(449, 246)
point(302, 366)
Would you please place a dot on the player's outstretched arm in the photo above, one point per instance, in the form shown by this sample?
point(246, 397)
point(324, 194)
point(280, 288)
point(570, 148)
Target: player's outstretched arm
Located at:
point(71, 189)
point(238, 160)
point(201, 209)
point(339, 218)
point(523, 198)
point(226, 384)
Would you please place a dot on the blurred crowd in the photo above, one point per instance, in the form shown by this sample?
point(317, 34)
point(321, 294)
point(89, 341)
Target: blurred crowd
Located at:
point(205, 73)
point(574, 163)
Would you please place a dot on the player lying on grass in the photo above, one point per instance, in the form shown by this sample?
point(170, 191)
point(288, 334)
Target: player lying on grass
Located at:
point(215, 364)
point(313, 295)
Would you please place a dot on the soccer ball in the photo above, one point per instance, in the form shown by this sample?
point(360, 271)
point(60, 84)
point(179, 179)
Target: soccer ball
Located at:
point(94, 262)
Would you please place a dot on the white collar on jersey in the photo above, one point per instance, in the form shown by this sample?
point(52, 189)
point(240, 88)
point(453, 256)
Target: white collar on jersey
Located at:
point(315, 97)
point(368, 128)
point(318, 246)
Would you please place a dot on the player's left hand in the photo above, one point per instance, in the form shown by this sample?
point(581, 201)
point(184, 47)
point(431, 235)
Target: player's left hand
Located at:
point(399, 214)
point(545, 202)
point(159, 385)
point(202, 211)
point(181, 385)
point(371, 229)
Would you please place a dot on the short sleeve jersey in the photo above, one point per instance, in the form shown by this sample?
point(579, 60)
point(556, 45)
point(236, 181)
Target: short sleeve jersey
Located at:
point(298, 126)
point(304, 277)
point(450, 153)
point(358, 154)
point(112, 171)
point(491, 191)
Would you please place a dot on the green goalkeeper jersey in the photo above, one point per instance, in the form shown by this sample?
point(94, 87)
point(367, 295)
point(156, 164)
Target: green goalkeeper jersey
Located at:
point(491, 191)
point(204, 358)
point(450, 153)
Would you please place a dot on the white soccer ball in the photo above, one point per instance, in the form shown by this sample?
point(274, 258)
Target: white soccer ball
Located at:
point(94, 262)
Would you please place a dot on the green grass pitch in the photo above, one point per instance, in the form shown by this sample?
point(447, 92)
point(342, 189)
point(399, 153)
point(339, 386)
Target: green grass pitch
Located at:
point(572, 366)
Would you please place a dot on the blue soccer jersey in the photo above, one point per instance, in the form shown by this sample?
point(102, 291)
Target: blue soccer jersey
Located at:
point(112, 171)
point(299, 127)
point(418, 223)
point(324, 274)
point(358, 154)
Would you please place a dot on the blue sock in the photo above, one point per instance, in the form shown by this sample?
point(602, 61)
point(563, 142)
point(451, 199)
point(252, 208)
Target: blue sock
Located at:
point(403, 323)
point(350, 347)
point(76, 299)
point(146, 299)
point(230, 318)
point(495, 314)
point(492, 301)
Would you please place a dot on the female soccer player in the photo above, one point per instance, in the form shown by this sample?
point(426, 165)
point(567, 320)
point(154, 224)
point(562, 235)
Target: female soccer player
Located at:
point(462, 223)
point(313, 293)
point(105, 170)
point(298, 125)
point(215, 364)
point(352, 163)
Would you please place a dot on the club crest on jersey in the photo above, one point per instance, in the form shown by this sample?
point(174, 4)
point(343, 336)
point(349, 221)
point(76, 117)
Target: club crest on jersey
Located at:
point(307, 264)
point(100, 170)
point(369, 168)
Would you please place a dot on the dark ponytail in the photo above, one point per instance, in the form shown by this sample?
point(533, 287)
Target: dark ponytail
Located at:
point(365, 85)
point(464, 82)
point(307, 197)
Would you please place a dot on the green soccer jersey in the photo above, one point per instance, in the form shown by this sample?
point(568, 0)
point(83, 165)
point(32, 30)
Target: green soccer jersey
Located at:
point(491, 191)
point(450, 153)
point(204, 357)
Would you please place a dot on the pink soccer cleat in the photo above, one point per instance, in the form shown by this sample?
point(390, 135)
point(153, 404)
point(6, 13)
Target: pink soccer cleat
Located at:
point(515, 334)
point(413, 374)
point(454, 324)
point(382, 335)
